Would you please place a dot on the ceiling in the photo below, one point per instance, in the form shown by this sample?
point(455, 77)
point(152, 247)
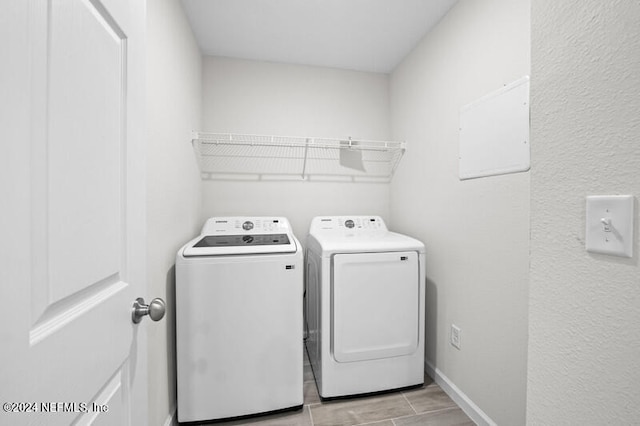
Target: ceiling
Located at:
point(363, 35)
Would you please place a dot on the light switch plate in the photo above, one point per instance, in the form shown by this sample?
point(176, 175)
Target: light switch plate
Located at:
point(609, 227)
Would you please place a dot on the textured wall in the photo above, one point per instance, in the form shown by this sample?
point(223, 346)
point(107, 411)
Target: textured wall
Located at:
point(173, 181)
point(476, 232)
point(584, 318)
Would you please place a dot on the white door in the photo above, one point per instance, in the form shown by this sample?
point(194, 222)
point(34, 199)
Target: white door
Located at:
point(72, 216)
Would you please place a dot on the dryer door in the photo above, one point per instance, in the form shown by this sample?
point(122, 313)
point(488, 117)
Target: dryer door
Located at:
point(375, 299)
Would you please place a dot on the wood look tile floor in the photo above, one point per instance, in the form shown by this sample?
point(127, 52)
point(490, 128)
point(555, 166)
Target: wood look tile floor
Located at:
point(427, 405)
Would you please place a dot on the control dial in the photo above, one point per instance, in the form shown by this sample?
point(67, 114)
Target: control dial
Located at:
point(247, 226)
point(349, 224)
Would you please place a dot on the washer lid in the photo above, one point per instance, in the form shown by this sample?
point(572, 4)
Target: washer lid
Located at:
point(216, 245)
point(216, 241)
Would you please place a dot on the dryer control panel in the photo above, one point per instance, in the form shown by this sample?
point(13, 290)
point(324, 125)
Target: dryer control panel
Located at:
point(348, 223)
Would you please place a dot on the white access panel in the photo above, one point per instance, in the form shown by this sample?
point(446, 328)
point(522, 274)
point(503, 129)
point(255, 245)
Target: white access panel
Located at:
point(494, 132)
point(375, 305)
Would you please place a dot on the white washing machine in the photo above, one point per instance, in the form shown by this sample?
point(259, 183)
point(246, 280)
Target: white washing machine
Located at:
point(239, 328)
point(365, 306)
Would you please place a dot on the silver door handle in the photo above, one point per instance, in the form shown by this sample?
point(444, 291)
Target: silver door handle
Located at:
point(155, 309)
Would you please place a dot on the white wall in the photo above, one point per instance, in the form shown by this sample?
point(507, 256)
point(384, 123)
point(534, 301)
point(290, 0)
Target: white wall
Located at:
point(291, 100)
point(584, 333)
point(476, 232)
point(173, 185)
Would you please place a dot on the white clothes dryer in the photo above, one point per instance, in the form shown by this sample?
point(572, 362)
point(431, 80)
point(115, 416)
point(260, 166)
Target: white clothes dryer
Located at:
point(239, 327)
point(365, 306)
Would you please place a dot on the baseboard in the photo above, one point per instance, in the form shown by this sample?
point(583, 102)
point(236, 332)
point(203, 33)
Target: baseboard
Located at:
point(459, 397)
point(172, 419)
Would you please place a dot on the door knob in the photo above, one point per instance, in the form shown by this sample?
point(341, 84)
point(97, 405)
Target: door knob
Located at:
point(155, 309)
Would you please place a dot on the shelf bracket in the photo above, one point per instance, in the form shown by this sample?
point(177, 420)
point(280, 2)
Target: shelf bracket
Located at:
point(304, 163)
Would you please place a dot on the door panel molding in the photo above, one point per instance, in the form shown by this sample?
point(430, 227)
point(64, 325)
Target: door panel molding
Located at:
point(61, 313)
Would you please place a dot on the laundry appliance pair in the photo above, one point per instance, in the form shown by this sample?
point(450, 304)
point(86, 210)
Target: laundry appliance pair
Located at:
point(239, 313)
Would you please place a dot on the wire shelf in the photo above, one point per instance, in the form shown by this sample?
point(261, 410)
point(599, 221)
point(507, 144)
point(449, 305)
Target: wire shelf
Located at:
point(262, 157)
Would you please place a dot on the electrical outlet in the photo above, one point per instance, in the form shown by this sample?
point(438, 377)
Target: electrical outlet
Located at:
point(455, 336)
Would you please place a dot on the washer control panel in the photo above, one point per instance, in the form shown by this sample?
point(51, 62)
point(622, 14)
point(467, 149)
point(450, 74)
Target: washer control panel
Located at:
point(242, 236)
point(245, 225)
point(348, 223)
